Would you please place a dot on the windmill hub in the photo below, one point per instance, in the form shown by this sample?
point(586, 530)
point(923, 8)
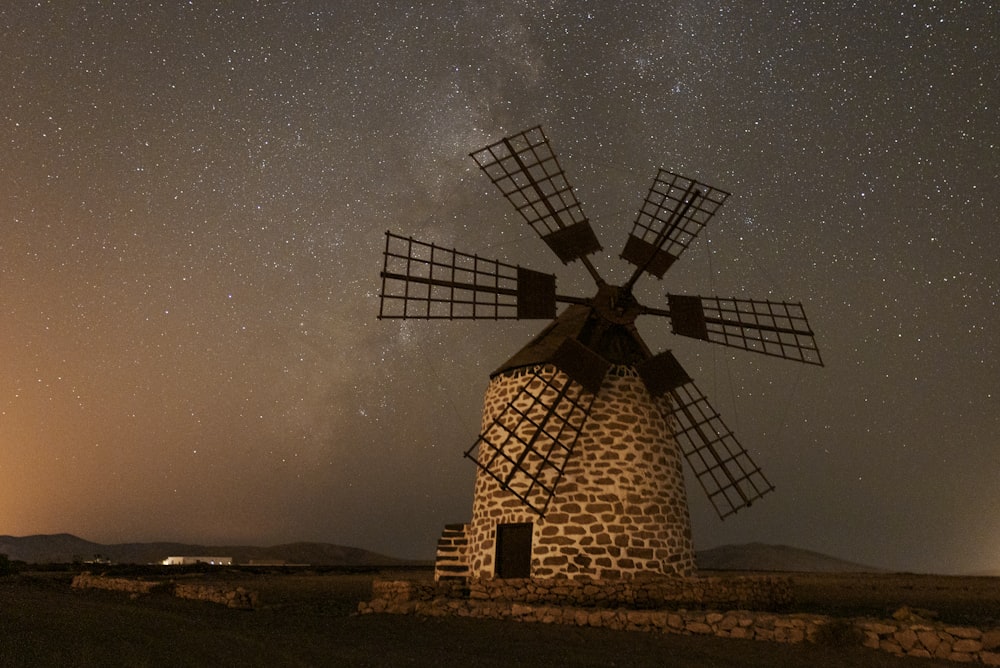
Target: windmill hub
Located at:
point(616, 305)
point(584, 428)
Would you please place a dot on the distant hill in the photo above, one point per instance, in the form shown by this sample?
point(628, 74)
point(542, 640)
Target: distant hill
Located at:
point(994, 573)
point(66, 548)
point(761, 557)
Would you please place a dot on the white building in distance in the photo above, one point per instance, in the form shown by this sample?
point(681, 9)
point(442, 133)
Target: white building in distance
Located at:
point(188, 561)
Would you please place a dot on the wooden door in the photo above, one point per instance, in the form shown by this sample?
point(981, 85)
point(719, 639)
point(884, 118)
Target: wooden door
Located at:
point(514, 550)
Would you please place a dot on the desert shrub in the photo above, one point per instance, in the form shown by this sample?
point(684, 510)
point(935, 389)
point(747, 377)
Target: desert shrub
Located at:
point(6, 567)
point(839, 633)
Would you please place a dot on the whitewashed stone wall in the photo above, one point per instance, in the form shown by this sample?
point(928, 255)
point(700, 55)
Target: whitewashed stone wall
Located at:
point(451, 562)
point(620, 509)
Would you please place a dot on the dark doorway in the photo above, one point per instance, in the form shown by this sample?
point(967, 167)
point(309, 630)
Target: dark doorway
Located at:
point(514, 550)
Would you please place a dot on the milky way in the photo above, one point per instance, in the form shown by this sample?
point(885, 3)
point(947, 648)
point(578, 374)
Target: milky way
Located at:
point(193, 203)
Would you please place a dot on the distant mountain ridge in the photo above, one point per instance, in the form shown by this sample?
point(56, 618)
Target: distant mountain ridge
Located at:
point(762, 557)
point(67, 548)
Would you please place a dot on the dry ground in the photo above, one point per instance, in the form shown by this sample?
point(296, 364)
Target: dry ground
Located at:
point(306, 619)
point(973, 601)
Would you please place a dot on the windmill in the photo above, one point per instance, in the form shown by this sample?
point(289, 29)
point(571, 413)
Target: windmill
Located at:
point(579, 459)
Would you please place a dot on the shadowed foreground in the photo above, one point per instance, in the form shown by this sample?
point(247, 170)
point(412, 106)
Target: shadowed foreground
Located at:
point(308, 620)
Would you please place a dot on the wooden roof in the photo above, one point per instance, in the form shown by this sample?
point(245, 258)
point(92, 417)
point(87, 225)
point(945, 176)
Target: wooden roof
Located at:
point(618, 344)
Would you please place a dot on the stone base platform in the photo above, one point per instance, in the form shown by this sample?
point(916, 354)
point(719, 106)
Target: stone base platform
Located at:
point(752, 592)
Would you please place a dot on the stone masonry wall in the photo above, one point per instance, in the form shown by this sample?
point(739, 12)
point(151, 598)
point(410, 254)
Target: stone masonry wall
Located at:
point(452, 558)
point(899, 637)
point(127, 585)
point(620, 509)
point(757, 592)
point(231, 597)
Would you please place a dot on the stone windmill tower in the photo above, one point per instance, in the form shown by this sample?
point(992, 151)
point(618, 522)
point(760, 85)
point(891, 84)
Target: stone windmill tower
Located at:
point(583, 430)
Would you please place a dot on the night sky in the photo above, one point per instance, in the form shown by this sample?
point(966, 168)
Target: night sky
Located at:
point(193, 202)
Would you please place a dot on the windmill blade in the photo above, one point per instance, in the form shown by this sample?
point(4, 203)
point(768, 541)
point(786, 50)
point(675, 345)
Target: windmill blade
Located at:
point(672, 215)
point(527, 172)
point(724, 469)
point(731, 480)
point(778, 329)
point(527, 446)
point(422, 280)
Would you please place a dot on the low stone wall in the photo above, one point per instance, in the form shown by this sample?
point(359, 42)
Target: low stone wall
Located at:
point(88, 581)
point(955, 643)
point(904, 638)
point(764, 592)
point(237, 598)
